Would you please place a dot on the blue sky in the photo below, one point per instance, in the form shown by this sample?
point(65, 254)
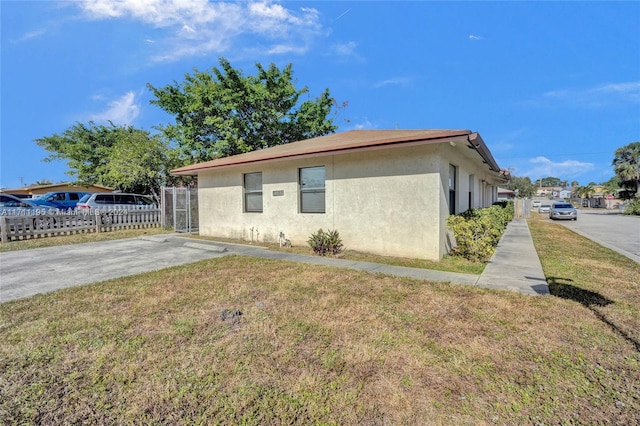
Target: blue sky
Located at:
point(552, 87)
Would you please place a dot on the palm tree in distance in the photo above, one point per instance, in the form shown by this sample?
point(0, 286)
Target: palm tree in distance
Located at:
point(585, 192)
point(626, 165)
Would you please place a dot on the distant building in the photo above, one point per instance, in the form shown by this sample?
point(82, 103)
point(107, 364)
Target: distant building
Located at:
point(599, 199)
point(506, 194)
point(549, 191)
point(566, 193)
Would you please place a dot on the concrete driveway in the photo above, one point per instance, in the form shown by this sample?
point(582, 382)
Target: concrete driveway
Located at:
point(619, 232)
point(514, 267)
point(27, 272)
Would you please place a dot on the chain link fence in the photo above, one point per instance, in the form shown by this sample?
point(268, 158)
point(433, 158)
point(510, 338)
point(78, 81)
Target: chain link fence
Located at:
point(180, 208)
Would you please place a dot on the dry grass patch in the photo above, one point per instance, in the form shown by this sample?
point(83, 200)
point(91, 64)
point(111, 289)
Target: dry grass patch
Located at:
point(599, 279)
point(313, 345)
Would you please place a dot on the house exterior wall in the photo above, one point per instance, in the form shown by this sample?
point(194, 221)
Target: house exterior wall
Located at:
point(565, 193)
point(388, 201)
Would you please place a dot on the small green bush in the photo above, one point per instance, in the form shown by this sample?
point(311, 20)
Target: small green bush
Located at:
point(478, 231)
point(633, 207)
point(323, 243)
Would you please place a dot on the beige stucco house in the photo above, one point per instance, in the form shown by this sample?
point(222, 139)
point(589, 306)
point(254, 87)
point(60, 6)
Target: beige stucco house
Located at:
point(385, 191)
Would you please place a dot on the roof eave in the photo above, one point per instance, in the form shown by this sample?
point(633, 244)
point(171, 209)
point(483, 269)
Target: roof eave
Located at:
point(193, 170)
point(478, 144)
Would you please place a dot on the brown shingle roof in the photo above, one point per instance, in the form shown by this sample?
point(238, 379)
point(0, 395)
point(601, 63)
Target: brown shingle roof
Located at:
point(342, 142)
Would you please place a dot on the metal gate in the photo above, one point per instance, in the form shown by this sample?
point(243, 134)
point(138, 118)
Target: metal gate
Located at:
point(522, 208)
point(180, 208)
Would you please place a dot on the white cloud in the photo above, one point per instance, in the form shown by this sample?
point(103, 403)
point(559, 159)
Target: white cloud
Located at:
point(160, 13)
point(345, 49)
point(363, 124)
point(181, 50)
point(540, 167)
point(395, 81)
point(597, 96)
point(204, 27)
point(187, 30)
point(122, 111)
point(31, 35)
point(284, 48)
point(100, 9)
point(343, 52)
point(475, 37)
point(630, 90)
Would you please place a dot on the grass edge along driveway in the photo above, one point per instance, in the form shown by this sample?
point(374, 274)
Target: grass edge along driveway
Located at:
point(239, 340)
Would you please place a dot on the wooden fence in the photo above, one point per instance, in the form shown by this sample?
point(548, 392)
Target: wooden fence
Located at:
point(23, 227)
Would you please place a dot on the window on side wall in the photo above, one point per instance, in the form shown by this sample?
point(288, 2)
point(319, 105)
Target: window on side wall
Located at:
point(312, 190)
point(471, 184)
point(452, 188)
point(253, 192)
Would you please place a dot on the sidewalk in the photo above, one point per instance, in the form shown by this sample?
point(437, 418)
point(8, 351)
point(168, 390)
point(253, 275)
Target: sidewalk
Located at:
point(515, 265)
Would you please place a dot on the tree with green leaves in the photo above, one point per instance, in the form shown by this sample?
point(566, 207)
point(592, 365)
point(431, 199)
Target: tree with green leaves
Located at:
point(122, 157)
point(223, 112)
point(550, 181)
point(142, 164)
point(585, 192)
point(85, 147)
point(626, 165)
point(611, 187)
point(523, 185)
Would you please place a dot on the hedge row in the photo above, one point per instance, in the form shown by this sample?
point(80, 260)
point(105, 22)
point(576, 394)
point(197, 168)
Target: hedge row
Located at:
point(634, 207)
point(478, 231)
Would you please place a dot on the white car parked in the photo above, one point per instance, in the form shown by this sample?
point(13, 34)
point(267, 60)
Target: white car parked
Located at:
point(108, 205)
point(115, 200)
point(544, 208)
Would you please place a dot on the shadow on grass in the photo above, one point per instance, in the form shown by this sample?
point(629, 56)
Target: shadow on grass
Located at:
point(562, 287)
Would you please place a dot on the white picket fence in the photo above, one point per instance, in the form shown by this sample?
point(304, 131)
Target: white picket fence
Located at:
point(23, 227)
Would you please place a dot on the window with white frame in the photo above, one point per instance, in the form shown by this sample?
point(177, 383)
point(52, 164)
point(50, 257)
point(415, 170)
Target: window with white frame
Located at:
point(312, 190)
point(253, 192)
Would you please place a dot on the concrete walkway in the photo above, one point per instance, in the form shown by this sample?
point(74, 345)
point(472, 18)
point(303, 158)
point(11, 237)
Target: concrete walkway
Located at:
point(515, 265)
